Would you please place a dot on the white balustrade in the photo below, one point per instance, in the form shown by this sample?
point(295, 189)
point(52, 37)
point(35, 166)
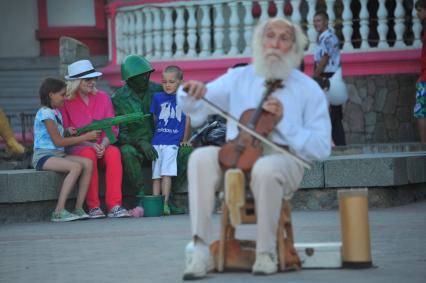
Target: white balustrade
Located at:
point(192, 34)
point(364, 27)
point(296, 17)
point(139, 32)
point(167, 33)
point(312, 33)
point(131, 38)
point(205, 31)
point(185, 29)
point(248, 26)
point(148, 33)
point(118, 37)
point(157, 29)
point(264, 10)
point(330, 12)
point(347, 25)
point(382, 28)
point(219, 30)
point(233, 28)
point(417, 29)
point(280, 9)
point(399, 24)
point(179, 32)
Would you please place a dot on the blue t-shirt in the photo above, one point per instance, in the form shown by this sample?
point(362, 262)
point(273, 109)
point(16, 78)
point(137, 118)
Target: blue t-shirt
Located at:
point(170, 120)
point(42, 139)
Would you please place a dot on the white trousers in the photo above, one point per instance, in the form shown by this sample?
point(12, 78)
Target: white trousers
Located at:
point(273, 177)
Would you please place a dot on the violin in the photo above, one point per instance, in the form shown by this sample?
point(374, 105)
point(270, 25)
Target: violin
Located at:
point(256, 137)
point(243, 151)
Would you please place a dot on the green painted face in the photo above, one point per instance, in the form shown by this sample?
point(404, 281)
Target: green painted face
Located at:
point(134, 65)
point(140, 82)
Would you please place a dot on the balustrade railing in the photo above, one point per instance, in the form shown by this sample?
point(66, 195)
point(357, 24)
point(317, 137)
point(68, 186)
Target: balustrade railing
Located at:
point(184, 30)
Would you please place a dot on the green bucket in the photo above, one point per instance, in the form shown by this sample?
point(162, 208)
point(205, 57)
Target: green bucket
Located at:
point(153, 205)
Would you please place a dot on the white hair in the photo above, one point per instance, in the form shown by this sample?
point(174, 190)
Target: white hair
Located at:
point(72, 88)
point(289, 61)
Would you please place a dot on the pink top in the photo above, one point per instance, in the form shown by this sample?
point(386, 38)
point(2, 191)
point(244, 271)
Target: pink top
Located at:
point(76, 113)
point(423, 63)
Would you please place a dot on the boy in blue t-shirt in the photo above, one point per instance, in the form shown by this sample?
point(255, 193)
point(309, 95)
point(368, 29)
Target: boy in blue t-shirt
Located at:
point(171, 131)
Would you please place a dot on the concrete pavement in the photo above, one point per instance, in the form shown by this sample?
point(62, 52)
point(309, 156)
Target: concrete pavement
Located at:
point(152, 249)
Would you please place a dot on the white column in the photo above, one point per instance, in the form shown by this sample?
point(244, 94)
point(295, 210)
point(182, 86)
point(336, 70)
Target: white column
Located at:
point(312, 33)
point(382, 27)
point(248, 26)
point(167, 32)
point(264, 13)
point(157, 29)
point(417, 29)
point(148, 33)
point(192, 37)
point(399, 25)
point(205, 32)
point(295, 16)
point(179, 32)
point(347, 25)
point(139, 32)
point(330, 12)
point(364, 28)
point(109, 27)
point(119, 40)
point(233, 28)
point(125, 35)
point(280, 9)
point(131, 36)
point(218, 29)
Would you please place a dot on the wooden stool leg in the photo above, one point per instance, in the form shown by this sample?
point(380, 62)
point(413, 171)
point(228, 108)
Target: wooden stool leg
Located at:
point(287, 253)
point(280, 240)
point(222, 239)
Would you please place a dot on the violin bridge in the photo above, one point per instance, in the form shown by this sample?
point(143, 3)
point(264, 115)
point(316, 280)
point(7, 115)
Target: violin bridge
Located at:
point(234, 194)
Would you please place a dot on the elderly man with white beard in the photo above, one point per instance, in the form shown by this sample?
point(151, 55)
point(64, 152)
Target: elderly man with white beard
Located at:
point(303, 125)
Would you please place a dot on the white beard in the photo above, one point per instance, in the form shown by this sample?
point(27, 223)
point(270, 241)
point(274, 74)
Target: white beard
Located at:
point(273, 64)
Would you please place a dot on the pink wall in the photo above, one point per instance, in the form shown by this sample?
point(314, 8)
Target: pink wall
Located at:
point(354, 64)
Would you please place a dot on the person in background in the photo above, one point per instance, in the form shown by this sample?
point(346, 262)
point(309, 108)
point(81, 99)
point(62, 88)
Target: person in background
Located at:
point(172, 128)
point(134, 139)
point(49, 153)
point(83, 104)
point(300, 110)
point(420, 106)
point(327, 62)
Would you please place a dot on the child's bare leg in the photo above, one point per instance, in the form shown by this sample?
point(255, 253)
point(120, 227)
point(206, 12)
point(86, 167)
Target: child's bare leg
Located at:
point(156, 184)
point(84, 182)
point(166, 186)
point(73, 170)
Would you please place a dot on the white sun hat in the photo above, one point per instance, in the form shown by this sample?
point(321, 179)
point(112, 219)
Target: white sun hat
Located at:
point(82, 69)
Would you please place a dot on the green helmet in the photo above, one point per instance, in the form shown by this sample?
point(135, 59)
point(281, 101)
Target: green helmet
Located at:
point(134, 65)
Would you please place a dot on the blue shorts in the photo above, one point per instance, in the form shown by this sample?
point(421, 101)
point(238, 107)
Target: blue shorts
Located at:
point(41, 161)
point(40, 156)
point(420, 106)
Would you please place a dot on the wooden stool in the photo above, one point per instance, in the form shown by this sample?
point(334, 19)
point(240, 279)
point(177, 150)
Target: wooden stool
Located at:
point(231, 253)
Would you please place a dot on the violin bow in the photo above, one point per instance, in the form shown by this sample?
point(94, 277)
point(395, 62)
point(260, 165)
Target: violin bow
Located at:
point(275, 147)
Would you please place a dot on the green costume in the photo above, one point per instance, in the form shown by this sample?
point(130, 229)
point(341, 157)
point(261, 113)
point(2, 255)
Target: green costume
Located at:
point(134, 139)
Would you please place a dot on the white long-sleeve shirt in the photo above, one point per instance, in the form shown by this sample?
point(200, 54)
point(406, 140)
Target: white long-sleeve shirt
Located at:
point(305, 126)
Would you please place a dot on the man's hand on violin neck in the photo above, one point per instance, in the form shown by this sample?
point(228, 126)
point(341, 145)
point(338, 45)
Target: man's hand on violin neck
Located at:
point(195, 89)
point(274, 106)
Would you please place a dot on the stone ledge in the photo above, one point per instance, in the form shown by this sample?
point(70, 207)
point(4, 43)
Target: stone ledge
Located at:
point(375, 170)
point(392, 179)
point(357, 170)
